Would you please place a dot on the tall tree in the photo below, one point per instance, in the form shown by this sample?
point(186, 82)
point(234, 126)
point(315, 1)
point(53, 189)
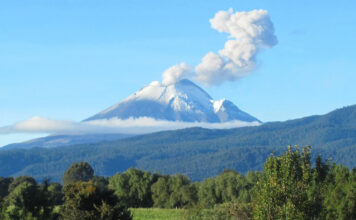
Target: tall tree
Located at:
point(85, 200)
point(340, 201)
point(174, 191)
point(4, 186)
point(160, 192)
point(281, 193)
point(206, 194)
point(134, 187)
point(231, 186)
point(78, 172)
point(28, 200)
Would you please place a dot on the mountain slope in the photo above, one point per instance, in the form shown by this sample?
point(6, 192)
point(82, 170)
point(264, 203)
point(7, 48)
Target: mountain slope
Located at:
point(182, 101)
point(65, 140)
point(196, 152)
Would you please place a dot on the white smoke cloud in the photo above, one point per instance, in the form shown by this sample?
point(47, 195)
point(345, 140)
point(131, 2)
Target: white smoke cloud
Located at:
point(250, 32)
point(175, 73)
point(113, 125)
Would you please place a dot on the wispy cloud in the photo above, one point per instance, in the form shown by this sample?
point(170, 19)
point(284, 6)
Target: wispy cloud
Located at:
point(114, 125)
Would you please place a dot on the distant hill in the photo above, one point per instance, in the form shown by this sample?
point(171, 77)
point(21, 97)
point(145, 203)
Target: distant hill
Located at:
point(65, 140)
point(196, 152)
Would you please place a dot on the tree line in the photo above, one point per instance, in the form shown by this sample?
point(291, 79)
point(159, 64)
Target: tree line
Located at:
point(290, 187)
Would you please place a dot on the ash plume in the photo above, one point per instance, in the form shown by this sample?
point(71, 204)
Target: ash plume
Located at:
point(249, 33)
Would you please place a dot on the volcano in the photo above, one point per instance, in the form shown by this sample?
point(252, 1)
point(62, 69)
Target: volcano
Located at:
point(182, 101)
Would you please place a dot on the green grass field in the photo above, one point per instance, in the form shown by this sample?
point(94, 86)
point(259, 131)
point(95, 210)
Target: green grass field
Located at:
point(179, 214)
point(158, 214)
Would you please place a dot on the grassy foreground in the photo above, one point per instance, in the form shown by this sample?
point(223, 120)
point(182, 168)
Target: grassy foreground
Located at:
point(158, 214)
point(180, 214)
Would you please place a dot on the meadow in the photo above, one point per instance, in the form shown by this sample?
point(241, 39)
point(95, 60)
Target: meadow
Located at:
point(158, 214)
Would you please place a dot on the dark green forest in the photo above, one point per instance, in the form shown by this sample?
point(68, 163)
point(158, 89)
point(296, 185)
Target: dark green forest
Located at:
point(195, 152)
point(289, 187)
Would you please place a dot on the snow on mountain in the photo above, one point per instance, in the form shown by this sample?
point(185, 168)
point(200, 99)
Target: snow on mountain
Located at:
point(182, 101)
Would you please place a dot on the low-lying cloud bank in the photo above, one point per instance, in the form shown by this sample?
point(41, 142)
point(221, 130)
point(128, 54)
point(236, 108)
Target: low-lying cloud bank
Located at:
point(114, 125)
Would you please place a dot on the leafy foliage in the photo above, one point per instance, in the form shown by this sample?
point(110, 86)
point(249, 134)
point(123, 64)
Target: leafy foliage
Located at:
point(4, 186)
point(78, 172)
point(340, 201)
point(282, 191)
point(85, 200)
point(289, 187)
point(174, 191)
point(28, 200)
point(133, 187)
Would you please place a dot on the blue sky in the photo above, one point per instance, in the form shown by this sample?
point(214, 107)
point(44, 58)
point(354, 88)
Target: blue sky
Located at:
point(70, 59)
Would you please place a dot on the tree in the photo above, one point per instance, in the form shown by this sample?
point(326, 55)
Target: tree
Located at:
point(101, 181)
point(174, 191)
point(160, 192)
point(78, 172)
point(55, 193)
point(134, 187)
point(231, 186)
point(28, 200)
point(206, 194)
point(284, 190)
point(4, 186)
point(19, 180)
point(340, 201)
point(182, 192)
point(85, 200)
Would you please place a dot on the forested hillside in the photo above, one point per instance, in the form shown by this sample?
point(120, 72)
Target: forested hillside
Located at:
point(196, 152)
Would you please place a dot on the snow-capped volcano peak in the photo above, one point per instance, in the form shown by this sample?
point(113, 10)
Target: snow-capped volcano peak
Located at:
point(184, 90)
point(181, 101)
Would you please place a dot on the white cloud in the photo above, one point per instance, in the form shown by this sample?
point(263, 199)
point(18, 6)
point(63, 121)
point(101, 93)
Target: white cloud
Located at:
point(250, 32)
point(114, 125)
point(175, 73)
point(44, 125)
